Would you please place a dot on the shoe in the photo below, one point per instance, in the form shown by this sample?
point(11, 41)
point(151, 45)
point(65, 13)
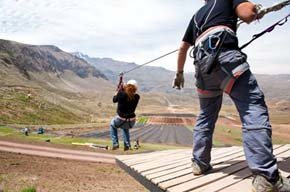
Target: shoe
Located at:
point(115, 147)
point(127, 148)
point(136, 147)
point(198, 169)
point(282, 185)
point(261, 184)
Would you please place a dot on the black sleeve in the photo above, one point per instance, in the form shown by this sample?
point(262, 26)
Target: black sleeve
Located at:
point(136, 101)
point(237, 2)
point(189, 34)
point(137, 98)
point(117, 97)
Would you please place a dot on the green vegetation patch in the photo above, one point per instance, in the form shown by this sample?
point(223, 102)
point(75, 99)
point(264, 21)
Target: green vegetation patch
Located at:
point(145, 147)
point(4, 55)
point(142, 120)
point(227, 135)
point(29, 189)
point(23, 107)
point(66, 140)
point(4, 131)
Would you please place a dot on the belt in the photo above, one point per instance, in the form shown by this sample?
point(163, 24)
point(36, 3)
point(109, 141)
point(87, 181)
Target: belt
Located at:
point(127, 119)
point(213, 30)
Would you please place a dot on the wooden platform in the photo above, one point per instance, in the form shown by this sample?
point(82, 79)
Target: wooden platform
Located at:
point(171, 170)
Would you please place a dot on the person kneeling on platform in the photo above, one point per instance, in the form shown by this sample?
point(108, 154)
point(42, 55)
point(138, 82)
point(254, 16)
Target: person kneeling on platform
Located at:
point(127, 100)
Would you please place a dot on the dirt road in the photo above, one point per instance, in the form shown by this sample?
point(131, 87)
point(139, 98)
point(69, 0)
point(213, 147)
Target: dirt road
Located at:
point(56, 152)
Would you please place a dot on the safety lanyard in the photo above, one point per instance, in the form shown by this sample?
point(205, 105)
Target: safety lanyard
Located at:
point(268, 30)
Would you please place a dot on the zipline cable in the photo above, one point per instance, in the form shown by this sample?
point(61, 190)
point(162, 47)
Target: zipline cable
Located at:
point(148, 62)
point(275, 7)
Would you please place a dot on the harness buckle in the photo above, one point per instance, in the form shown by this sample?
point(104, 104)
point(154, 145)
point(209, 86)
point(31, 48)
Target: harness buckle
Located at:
point(213, 41)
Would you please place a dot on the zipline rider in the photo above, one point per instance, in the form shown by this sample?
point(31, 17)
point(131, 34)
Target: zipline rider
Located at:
point(221, 67)
point(127, 100)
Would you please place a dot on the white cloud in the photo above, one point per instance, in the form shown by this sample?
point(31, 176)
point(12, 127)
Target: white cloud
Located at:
point(134, 31)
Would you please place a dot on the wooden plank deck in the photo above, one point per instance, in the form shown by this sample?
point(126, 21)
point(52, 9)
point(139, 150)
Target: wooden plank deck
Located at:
point(171, 170)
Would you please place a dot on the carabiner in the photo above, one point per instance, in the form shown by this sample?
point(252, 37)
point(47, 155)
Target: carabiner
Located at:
point(213, 39)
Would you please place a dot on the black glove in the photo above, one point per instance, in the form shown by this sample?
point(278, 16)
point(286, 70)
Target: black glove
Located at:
point(178, 81)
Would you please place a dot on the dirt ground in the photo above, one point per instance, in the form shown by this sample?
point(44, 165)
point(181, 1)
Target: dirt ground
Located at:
point(18, 172)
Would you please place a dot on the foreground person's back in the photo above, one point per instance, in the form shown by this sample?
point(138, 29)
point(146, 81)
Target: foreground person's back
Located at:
point(222, 67)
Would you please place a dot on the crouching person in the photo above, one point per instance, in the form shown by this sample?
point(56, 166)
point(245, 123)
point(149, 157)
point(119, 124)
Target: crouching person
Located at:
point(127, 100)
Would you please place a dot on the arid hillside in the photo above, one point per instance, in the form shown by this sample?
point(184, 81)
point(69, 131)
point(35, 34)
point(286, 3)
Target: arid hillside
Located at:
point(43, 84)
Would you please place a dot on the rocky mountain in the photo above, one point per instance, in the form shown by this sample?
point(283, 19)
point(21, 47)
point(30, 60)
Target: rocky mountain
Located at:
point(151, 79)
point(276, 87)
point(44, 58)
point(44, 84)
point(158, 79)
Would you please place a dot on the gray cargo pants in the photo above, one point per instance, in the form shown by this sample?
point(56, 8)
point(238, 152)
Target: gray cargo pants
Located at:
point(249, 101)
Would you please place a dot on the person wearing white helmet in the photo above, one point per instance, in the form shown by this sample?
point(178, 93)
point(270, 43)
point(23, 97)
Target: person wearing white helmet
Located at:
point(127, 100)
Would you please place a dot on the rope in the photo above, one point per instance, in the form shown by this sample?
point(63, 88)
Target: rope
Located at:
point(121, 82)
point(148, 62)
point(275, 7)
point(268, 30)
point(264, 11)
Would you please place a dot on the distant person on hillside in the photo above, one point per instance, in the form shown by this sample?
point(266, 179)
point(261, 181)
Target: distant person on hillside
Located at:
point(26, 131)
point(221, 67)
point(127, 100)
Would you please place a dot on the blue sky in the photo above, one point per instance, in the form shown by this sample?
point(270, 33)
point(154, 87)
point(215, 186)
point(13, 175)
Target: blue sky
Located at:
point(133, 31)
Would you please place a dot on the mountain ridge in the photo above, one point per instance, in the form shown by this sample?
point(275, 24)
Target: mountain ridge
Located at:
point(43, 84)
point(44, 58)
point(150, 78)
point(278, 87)
point(82, 86)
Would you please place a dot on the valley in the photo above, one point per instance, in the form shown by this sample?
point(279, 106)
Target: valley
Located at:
point(64, 92)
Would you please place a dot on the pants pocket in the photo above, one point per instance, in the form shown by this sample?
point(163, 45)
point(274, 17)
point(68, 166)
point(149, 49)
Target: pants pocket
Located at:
point(206, 81)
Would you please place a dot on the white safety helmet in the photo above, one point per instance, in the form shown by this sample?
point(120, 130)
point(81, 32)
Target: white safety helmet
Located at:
point(132, 82)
